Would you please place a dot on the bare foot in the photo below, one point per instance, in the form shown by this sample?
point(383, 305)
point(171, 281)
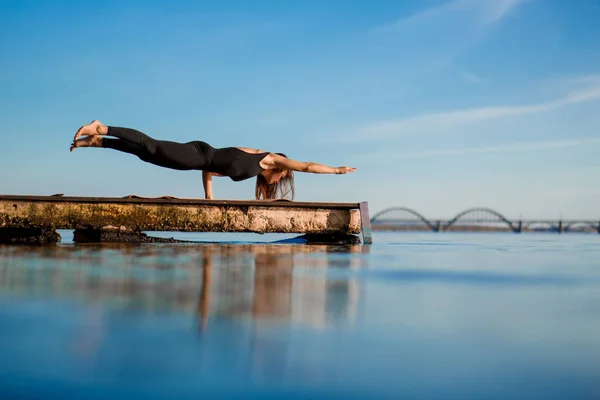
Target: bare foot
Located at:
point(88, 141)
point(93, 128)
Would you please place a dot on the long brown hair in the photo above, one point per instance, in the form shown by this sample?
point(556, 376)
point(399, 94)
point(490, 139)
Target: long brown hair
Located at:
point(284, 189)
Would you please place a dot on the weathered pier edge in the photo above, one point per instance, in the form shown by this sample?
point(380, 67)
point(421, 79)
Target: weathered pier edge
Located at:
point(35, 219)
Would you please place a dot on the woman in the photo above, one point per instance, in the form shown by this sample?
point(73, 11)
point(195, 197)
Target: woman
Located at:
point(273, 171)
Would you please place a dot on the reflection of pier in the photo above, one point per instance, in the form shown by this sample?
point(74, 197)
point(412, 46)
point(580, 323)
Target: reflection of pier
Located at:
point(475, 219)
point(246, 299)
point(269, 289)
point(214, 281)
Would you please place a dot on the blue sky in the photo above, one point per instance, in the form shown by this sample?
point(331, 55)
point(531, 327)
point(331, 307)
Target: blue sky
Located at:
point(442, 105)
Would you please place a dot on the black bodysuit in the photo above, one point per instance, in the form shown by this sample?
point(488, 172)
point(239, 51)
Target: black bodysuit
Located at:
point(197, 155)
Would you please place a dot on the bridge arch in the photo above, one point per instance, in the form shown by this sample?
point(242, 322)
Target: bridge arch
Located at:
point(580, 224)
point(541, 226)
point(480, 210)
point(405, 209)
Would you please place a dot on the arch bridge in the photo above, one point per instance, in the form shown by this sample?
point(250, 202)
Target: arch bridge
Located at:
point(474, 219)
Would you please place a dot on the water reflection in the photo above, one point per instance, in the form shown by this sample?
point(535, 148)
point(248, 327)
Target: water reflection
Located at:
point(264, 282)
point(262, 320)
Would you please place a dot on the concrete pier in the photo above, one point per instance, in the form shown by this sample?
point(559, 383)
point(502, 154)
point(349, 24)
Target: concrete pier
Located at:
point(183, 215)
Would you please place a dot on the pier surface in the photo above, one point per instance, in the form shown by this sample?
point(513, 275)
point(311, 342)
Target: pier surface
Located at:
point(175, 214)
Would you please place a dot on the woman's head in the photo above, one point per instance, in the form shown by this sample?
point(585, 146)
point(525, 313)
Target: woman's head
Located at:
point(275, 184)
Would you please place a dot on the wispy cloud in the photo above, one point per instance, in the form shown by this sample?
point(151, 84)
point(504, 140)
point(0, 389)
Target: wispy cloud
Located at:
point(428, 121)
point(448, 30)
point(471, 77)
point(582, 80)
point(419, 17)
point(487, 11)
point(499, 9)
point(528, 146)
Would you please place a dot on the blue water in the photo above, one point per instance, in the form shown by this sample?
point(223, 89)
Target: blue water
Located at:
point(415, 315)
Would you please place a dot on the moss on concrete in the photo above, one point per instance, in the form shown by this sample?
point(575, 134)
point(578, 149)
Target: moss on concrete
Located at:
point(165, 217)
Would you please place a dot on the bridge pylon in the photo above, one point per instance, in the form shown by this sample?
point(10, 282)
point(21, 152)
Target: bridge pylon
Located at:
point(519, 227)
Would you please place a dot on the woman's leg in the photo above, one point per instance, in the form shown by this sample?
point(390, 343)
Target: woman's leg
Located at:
point(137, 138)
point(126, 147)
point(115, 144)
point(180, 156)
point(134, 136)
point(93, 128)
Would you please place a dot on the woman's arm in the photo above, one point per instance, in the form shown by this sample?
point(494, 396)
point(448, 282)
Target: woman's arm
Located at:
point(207, 183)
point(310, 167)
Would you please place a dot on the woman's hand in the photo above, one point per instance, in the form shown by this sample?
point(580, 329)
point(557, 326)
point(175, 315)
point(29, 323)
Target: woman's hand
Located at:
point(344, 170)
